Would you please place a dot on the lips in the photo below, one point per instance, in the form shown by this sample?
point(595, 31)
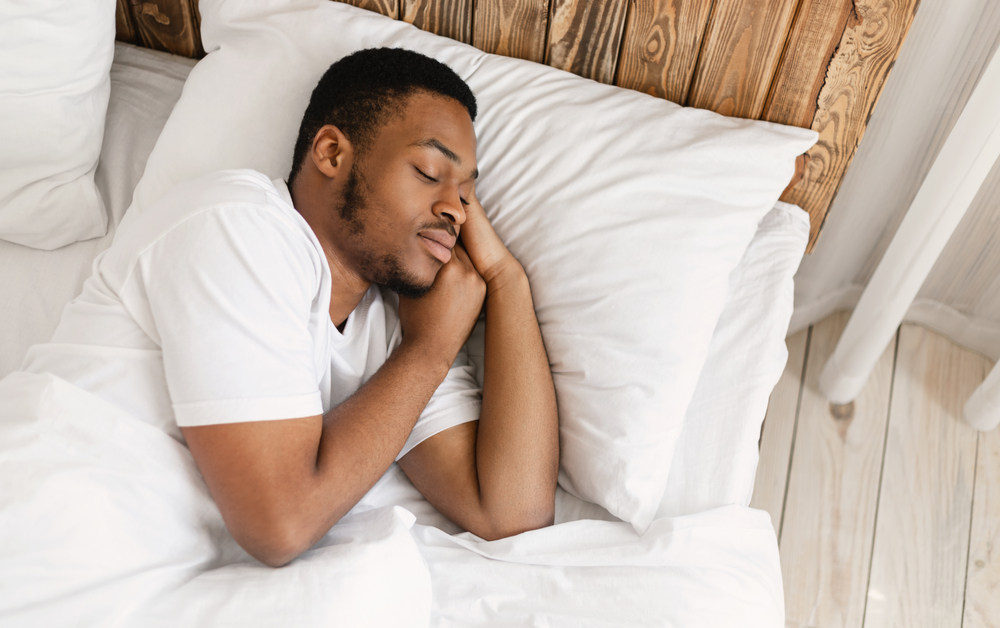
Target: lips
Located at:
point(439, 243)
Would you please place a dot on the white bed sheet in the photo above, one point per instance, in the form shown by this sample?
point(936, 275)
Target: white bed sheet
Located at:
point(108, 523)
point(576, 573)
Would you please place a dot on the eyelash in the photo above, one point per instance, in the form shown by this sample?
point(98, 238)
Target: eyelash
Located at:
point(425, 175)
point(433, 180)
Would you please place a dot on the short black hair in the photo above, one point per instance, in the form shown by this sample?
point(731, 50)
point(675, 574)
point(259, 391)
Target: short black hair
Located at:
point(360, 91)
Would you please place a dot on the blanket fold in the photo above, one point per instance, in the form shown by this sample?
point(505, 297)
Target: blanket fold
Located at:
point(106, 521)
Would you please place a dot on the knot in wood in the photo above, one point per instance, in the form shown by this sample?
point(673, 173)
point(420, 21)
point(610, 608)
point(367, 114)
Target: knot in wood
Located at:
point(153, 11)
point(843, 412)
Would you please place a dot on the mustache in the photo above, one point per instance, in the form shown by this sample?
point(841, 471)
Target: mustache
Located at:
point(442, 225)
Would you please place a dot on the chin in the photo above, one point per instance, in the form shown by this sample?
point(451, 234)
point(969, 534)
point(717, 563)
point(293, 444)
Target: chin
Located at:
point(410, 280)
point(423, 270)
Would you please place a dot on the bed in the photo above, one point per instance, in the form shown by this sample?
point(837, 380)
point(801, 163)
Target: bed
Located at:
point(692, 555)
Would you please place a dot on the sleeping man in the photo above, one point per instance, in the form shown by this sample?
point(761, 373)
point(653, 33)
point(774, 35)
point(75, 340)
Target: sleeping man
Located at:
point(259, 322)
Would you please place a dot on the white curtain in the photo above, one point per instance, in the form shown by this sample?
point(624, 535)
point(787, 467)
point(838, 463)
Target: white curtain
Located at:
point(948, 48)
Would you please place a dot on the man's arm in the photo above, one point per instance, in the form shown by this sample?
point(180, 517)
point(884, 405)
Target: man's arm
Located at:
point(497, 477)
point(281, 485)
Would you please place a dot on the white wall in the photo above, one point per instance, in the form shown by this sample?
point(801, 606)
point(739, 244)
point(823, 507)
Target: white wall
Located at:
point(948, 47)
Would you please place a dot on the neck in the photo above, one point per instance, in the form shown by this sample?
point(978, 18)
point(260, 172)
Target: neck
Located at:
point(348, 286)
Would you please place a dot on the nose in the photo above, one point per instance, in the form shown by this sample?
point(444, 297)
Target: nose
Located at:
point(450, 208)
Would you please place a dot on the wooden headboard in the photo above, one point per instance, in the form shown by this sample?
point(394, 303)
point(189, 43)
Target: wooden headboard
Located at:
point(809, 63)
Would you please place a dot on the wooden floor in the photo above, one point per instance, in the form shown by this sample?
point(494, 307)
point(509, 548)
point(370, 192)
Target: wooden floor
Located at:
point(887, 511)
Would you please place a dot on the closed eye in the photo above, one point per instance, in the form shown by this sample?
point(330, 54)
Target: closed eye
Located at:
point(425, 175)
point(433, 180)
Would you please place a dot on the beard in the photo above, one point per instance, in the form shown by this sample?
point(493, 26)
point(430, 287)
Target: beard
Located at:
point(387, 269)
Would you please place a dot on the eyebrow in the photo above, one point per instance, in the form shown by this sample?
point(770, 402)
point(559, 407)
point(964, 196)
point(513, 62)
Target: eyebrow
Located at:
point(447, 152)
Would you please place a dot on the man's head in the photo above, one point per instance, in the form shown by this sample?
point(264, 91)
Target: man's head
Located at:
point(384, 163)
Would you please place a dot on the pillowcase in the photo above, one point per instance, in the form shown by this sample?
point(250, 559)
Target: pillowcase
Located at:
point(55, 60)
point(716, 457)
point(627, 212)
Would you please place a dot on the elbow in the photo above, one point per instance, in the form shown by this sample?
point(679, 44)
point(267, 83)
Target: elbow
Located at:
point(274, 554)
point(274, 545)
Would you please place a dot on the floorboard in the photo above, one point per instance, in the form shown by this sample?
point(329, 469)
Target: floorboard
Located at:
point(982, 589)
point(925, 503)
point(832, 493)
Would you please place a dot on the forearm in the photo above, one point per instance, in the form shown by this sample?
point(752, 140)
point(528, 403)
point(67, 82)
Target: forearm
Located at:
point(362, 436)
point(517, 444)
point(281, 485)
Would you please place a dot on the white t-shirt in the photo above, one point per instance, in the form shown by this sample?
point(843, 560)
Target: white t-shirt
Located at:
point(213, 307)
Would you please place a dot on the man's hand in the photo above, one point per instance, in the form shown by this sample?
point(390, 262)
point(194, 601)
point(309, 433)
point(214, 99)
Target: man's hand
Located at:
point(497, 477)
point(488, 254)
point(440, 322)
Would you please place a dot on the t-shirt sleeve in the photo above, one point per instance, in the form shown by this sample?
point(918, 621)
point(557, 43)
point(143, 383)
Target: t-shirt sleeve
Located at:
point(457, 400)
point(230, 294)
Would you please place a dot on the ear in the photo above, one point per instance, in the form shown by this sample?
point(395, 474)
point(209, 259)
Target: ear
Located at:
point(331, 151)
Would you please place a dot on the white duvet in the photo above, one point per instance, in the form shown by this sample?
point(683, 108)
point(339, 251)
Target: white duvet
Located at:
point(105, 521)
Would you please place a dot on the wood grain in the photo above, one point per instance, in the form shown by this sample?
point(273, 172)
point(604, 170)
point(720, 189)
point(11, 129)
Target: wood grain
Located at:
point(778, 432)
point(124, 28)
point(512, 28)
point(829, 514)
point(168, 25)
point(585, 37)
point(389, 8)
point(815, 34)
point(449, 18)
point(982, 592)
point(925, 504)
point(854, 80)
point(740, 55)
point(660, 46)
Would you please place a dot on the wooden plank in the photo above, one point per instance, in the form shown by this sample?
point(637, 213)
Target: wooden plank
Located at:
point(815, 34)
point(868, 47)
point(660, 46)
point(124, 28)
point(925, 504)
point(389, 8)
point(169, 25)
point(982, 590)
point(778, 431)
point(512, 28)
point(829, 517)
point(585, 37)
point(740, 55)
point(449, 18)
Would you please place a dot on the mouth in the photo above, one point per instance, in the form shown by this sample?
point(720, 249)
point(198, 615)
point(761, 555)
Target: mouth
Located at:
point(439, 243)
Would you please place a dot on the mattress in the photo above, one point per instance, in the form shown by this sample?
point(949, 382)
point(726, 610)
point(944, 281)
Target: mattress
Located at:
point(589, 569)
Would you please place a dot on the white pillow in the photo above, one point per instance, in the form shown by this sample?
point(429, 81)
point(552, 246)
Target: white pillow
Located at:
point(716, 457)
point(627, 212)
point(55, 60)
point(715, 461)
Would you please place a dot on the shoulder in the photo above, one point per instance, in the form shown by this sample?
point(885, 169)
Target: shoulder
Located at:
point(230, 213)
point(226, 191)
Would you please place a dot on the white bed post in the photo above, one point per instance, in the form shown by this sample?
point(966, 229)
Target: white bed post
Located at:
point(950, 187)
